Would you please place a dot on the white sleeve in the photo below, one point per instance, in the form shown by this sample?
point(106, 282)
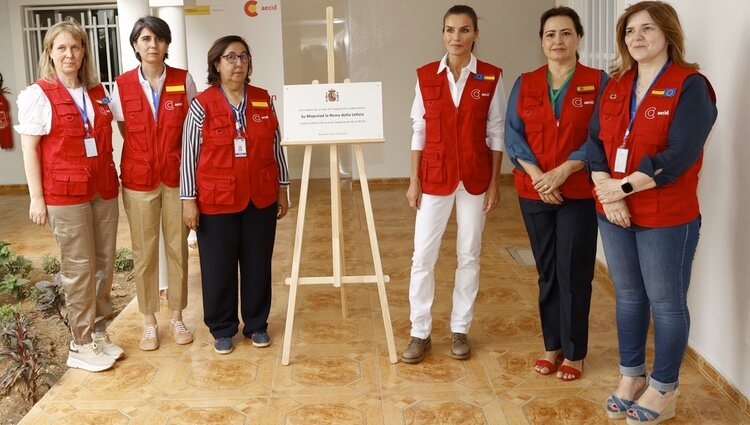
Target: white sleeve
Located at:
point(34, 112)
point(190, 90)
point(417, 117)
point(115, 105)
point(496, 119)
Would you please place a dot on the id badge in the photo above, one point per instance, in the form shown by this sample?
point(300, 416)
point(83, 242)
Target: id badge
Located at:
point(240, 150)
point(90, 144)
point(621, 160)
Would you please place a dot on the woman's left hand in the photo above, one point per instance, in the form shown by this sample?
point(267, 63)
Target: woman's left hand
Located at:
point(609, 190)
point(549, 182)
point(283, 203)
point(491, 198)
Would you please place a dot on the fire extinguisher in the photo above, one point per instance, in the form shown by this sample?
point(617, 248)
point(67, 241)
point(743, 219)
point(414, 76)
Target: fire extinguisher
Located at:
point(6, 134)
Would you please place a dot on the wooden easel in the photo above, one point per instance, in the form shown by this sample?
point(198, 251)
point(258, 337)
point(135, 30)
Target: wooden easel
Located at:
point(339, 277)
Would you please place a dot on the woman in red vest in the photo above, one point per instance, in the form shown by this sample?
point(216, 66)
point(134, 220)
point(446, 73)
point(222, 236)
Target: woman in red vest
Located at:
point(150, 103)
point(234, 181)
point(548, 115)
point(458, 114)
point(645, 152)
point(66, 134)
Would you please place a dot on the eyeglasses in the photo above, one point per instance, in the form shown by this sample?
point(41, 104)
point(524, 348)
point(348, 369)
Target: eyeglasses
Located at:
point(232, 57)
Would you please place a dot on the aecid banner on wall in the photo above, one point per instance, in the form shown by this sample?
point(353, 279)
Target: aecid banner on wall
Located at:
point(257, 21)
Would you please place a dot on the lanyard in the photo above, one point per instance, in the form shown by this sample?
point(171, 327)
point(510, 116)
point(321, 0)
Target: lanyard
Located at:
point(553, 95)
point(633, 105)
point(238, 112)
point(83, 111)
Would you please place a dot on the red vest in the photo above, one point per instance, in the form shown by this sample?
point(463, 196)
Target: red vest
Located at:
point(226, 183)
point(152, 150)
point(672, 204)
point(68, 176)
point(551, 142)
point(456, 138)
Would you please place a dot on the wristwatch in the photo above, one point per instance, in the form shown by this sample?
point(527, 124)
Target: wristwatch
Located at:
point(626, 187)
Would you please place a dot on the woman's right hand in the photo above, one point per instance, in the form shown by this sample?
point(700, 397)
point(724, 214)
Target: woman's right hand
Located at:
point(414, 194)
point(190, 213)
point(617, 213)
point(38, 211)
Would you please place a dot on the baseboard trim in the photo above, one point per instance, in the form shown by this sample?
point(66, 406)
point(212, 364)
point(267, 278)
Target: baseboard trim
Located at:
point(710, 372)
point(14, 189)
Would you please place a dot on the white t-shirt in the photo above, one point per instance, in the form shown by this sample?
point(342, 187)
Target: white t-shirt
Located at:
point(35, 109)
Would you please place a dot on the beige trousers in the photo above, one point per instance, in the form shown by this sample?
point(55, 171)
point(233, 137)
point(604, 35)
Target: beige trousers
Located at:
point(147, 211)
point(86, 234)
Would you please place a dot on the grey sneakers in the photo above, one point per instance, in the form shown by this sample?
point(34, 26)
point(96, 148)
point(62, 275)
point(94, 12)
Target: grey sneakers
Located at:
point(108, 347)
point(414, 353)
point(460, 346)
point(223, 345)
point(89, 357)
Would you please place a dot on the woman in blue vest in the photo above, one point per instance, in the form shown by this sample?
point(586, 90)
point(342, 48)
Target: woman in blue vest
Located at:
point(645, 152)
point(546, 127)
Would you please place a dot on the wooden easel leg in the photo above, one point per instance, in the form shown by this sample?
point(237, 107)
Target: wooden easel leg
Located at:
point(376, 254)
point(296, 257)
point(336, 226)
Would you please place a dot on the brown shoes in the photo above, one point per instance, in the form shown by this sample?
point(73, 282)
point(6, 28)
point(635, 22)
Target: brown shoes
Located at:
point(460, 347)
point(181, 335)
point(414, 353)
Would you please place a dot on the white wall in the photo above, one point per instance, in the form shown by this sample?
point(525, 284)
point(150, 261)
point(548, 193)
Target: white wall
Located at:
point(719, 296)
point(11, 161)
point(389, 39)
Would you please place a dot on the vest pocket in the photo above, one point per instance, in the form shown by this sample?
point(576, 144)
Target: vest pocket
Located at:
point(535, 139)
point(74, 147)
point(69, 181)
point(646, 202)
point(483, 165)
point(431, 167)
point(432, 125)
point(269, 181)
point(136, 172)
point(216, 190)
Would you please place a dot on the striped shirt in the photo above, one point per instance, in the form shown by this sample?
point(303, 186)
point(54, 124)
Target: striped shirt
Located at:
point(192, 137)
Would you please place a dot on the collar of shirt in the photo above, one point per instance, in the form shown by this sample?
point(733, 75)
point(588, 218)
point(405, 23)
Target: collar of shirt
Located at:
point(457, 87)
point(147, 87)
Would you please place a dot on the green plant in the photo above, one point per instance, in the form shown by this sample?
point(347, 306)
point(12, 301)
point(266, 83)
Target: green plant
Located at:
point(29, 367)
point(51, 299)
point(6, 313)
point(13, 285)
point(124, 260)
point(10, 263)
point(50, 264)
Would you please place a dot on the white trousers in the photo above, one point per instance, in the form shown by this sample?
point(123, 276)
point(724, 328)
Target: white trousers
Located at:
point(432, 218)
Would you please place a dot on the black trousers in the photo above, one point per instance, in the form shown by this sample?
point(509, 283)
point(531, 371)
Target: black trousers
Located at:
point(226, 240)
point(563, 240)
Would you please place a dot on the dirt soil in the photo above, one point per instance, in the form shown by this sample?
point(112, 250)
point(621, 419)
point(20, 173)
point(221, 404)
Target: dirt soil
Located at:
point(12, 406)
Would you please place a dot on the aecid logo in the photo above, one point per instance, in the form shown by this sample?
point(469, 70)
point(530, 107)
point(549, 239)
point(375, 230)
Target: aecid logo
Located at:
point(652, 113)
point(251, 8)
point(476, 94)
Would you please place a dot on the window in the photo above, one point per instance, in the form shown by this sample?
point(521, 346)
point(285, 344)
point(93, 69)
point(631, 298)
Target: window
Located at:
point(599, 18)
point(100, 23)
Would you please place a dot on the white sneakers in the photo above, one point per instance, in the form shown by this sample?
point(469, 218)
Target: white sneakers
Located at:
point(88, 357)
point(108, 347)
point(96, 356)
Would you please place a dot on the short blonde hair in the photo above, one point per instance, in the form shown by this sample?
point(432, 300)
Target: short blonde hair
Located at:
point(668, 22)
point(87, 72)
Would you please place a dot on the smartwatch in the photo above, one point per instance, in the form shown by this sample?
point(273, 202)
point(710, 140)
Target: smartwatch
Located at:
point(626, 187)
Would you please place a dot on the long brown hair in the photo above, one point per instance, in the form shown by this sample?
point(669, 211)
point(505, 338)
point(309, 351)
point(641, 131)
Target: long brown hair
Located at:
point(87, 73)
point(668, 22)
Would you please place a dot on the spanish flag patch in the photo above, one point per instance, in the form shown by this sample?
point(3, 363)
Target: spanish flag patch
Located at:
point(585, 89)
point(175, 89)
point(664, 92)
point(489, 78)
point(259, 104)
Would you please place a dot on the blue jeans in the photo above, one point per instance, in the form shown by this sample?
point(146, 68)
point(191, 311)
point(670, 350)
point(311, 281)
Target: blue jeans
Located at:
point(651, 271)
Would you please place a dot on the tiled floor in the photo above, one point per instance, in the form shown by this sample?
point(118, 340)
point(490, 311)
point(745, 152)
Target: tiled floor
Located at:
point(339, 371)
